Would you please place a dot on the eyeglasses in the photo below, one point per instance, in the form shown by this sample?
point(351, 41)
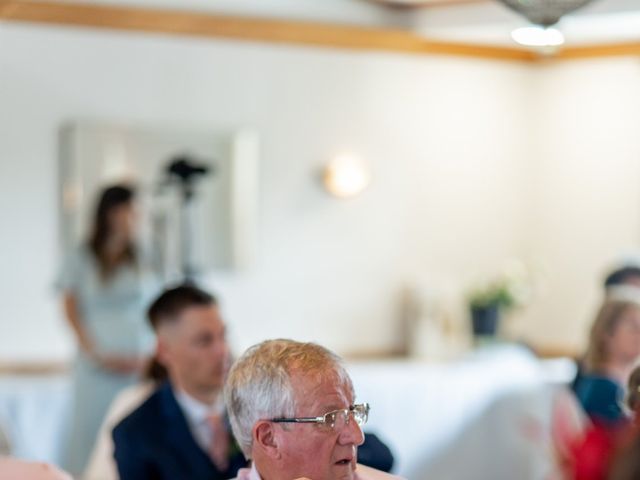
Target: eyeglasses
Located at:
point(336, 419)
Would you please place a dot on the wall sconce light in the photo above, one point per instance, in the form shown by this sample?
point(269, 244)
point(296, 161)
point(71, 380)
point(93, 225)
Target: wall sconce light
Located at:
point(346, 176)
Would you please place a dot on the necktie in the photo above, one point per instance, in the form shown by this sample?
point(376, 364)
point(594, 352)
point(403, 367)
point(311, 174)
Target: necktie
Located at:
point(219, 446)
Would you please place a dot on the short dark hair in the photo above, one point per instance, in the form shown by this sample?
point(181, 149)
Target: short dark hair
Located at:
point(172, 302)
point(621, 276)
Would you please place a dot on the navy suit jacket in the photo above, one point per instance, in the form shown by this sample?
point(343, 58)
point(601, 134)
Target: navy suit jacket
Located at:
point(374, 453)
point(155, 443)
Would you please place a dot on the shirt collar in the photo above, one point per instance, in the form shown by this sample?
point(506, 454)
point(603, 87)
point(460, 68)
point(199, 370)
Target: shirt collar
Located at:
point(195, 410)
point(253, 474)
point(249, 473)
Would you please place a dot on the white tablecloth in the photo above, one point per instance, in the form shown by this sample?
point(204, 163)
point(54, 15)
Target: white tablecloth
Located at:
point(34, 414)
point(484, 417)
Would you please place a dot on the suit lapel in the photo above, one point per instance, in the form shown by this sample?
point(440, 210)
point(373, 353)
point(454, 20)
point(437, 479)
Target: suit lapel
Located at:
point(179, 437)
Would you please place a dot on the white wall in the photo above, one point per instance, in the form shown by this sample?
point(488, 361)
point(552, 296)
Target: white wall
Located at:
point(585, 180)
point(446, 139)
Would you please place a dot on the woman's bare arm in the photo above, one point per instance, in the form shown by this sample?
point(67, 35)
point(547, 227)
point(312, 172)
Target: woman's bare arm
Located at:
point(72, 314)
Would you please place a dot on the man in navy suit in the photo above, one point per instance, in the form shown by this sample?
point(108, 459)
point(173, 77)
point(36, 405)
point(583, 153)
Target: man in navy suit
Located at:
point(181, 431)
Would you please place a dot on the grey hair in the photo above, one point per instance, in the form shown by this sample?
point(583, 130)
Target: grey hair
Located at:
point(259, 384)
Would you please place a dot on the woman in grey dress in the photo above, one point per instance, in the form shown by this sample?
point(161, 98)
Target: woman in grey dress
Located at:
point(106, 288)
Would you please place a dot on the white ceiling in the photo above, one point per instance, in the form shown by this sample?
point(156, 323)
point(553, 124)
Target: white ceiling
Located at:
point(469, 21)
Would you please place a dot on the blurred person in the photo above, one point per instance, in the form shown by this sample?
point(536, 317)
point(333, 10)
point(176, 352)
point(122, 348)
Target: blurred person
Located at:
point(14, 469)
point(626, 465)
point(5, 444)
point(633, 396)
point(625, 275)
point(181, 431)
point(568, 428)
point(292, 409)
point(607, 453)
point(106, 287)
point(626, 462)
point(101, 464)
point(614, 347)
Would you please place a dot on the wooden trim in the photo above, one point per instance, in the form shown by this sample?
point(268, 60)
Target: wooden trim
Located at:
point(598, 51)
point(245, 28)
point(544, 352)
point(367, 355)
point(352, 37)
point(408, 6)
point(33, 368)
point(556, 351)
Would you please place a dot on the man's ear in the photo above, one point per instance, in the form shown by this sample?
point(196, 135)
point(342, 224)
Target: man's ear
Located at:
point(266, 438)
point(163, 352)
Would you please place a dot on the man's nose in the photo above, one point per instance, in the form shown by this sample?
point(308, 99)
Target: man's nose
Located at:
point(352, 434)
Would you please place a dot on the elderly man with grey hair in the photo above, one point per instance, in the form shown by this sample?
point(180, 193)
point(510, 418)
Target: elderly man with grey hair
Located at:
point(292, 410)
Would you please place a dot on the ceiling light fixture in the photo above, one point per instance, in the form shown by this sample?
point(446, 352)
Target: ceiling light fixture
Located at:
point(544, 12)
point(538, 36)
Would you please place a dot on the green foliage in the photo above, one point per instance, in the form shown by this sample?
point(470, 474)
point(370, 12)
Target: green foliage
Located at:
point(495, 293)
point(511, 289)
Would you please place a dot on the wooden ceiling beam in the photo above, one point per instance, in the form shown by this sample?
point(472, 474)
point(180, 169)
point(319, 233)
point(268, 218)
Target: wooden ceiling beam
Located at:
point(176, 22)
point(408, 5)
point(598, 51)
point(294, 32)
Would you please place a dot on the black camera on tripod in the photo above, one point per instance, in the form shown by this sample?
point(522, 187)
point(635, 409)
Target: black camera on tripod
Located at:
point(185, 170)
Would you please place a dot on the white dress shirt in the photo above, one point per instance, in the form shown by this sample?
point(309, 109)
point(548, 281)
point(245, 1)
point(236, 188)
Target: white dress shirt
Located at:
point(197, 414)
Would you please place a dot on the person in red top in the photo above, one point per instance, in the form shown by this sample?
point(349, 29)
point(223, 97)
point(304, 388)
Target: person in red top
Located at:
point(607, 452)
point(625, 462)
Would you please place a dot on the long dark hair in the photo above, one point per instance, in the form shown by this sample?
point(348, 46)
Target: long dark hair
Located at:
point(111, 198)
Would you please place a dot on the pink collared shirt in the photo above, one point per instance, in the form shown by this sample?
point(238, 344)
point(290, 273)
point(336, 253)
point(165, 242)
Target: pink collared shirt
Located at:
point(362, 473)
point(248, 473)
point(14, 469)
